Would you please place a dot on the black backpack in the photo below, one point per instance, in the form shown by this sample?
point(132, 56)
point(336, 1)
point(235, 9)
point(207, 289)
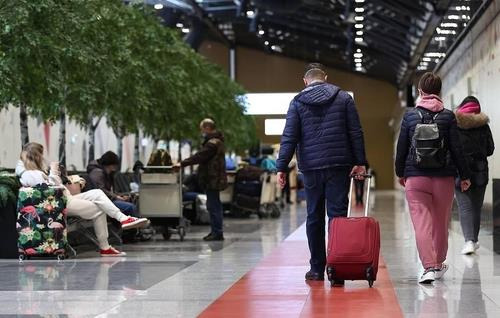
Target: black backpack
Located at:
point(428, 144)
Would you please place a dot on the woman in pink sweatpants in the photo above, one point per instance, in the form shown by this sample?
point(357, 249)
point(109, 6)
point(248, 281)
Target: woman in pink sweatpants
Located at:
point(429, 156)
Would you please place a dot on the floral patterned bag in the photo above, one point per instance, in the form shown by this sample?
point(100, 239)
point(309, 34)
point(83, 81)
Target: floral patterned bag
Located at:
point(41, 221)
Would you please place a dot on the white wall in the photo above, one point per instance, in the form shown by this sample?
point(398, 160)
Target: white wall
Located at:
point(76, 141)
point(474, 69)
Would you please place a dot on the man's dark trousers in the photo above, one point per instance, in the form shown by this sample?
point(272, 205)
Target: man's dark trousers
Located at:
point(330, 185)
point(214, 207)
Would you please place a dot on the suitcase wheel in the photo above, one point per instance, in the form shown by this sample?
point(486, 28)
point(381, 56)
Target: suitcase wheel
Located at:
point(330, 272)
point(370, 276)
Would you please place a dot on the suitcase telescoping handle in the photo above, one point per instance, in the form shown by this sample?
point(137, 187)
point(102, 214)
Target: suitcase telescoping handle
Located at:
point(367, 177)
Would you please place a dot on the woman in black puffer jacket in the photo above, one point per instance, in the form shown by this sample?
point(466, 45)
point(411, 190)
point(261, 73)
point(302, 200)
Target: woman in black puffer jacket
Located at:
point(475, 136)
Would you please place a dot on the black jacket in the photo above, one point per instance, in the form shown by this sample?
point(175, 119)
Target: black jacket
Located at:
point(405, 155)
point(477, 140)
point(323, 126)
point(212, 163)
point(100, 180)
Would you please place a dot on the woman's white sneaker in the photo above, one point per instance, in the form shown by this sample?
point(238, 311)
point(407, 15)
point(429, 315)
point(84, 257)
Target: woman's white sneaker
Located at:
point(469, 248)
point(427, 277)
point(438, 273)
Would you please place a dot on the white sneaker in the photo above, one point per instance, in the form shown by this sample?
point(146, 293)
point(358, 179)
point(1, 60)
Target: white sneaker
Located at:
point(469, 248)
point(438, 273)
point(476, 246)
point(427, 277)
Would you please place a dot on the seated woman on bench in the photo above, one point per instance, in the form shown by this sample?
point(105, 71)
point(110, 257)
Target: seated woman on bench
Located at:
point(91, 205)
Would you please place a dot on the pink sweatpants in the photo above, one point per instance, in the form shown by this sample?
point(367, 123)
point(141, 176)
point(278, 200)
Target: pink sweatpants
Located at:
point(430, 201)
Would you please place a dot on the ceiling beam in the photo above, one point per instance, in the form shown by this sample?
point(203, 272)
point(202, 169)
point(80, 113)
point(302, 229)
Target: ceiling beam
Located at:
point(440, 10)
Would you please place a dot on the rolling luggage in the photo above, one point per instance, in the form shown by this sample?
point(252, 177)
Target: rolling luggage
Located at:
point(41, 222)
point(250, 188)
point(353, 245)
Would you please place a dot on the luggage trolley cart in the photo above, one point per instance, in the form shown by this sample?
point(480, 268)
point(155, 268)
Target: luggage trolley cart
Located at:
point(269, 196)
point(160, 198)
point(264, 204)
point(226, 196)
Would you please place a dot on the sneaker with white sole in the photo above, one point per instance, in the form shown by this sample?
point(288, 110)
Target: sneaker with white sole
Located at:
point(439, 272)
point(476, 246)
point(428, 276)
point(469, 248)
point(134, 223)
point(112, 252)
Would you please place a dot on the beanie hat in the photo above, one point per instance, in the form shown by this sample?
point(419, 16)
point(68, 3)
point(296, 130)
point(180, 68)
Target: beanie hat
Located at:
point(109, 158)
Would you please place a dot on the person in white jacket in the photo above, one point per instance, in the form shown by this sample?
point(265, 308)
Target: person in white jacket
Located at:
point(91, 205)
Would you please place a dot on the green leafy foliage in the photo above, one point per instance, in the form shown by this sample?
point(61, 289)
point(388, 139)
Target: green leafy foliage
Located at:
point(9, 189)
point(94, 58)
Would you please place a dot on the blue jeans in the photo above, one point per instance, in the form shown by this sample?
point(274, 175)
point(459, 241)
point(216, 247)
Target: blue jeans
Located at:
point(127, 208)
point(330, 185)
point(214, 207)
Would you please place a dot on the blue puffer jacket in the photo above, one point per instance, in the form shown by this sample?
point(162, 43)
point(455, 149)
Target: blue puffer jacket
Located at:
point(323, 126)
point(405, 157)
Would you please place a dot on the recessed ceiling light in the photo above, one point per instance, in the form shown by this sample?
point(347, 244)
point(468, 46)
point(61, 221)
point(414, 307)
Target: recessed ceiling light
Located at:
point(250, 13)
point(266, 43)
point(358, 25)
point(358, 39)
point(158, 6)
point(359, 18)
point(185, 30)
point(262, 32)
point(359, 10)
point(179, 25)
point(359, 32)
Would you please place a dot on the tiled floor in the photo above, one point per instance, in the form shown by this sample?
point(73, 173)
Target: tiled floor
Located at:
point(182, 279)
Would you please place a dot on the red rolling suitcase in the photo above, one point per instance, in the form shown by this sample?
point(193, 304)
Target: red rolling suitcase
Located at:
point(353, 245)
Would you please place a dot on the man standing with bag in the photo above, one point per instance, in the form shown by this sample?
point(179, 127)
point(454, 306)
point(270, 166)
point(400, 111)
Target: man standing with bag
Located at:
point(323, 127)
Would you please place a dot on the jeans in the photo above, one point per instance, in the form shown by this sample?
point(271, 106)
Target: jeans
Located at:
point(470, 204)
point(330, 185)
point(214, 207)
point(126, 207)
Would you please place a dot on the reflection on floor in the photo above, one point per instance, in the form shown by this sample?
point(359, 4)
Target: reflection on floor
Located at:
point(181, 279)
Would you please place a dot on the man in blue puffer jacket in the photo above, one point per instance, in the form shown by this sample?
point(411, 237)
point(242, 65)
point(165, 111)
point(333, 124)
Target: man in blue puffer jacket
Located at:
point(323, 128)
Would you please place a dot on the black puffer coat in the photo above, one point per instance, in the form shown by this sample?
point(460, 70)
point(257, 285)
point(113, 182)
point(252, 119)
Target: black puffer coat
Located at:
point(405, 155)
point(477, 140)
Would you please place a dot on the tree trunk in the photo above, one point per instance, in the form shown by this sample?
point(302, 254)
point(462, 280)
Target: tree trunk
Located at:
point(23, 116)
point(137, 145)
point(62, 137)
point(119, 140)
point(119, 149)
point(91, 131)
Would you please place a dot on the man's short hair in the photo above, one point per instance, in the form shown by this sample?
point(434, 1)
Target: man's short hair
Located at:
point(207, 123)
point(315, 71)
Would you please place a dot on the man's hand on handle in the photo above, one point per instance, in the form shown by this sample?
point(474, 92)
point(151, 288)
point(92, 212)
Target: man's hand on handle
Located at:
point(282, 179)
point(358, 172)
point(465, 185)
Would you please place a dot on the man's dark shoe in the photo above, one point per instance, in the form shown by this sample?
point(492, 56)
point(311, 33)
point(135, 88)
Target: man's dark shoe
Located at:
point(207, 236)
point(214, 237)
point(310, 275)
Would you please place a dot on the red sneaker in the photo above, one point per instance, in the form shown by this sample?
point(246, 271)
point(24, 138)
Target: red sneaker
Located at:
point(112, 252)
point(133, 223)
